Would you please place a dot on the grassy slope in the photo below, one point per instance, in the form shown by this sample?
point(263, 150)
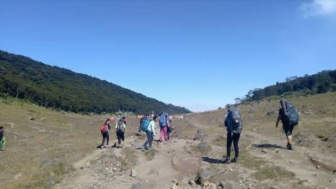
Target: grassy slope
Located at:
point(42, 149)
point(318, 124)
point(46, 147)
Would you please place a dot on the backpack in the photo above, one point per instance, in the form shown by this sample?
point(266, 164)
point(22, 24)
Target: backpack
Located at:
point(121, 127)
point(144, 125)
point(162, 121)
point(104, 129)
point(291, 114)
point(235, 123)
point(143, 119)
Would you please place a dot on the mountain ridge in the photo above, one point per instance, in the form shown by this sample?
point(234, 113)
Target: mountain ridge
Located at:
point(63, 89)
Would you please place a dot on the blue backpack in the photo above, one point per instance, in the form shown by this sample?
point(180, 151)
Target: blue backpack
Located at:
point(144, 125)
point(162, 121)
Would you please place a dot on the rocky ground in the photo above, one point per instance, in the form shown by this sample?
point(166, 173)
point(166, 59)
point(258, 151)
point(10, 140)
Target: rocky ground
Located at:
point(193, 158)
point(196, 162)
point(58, 150)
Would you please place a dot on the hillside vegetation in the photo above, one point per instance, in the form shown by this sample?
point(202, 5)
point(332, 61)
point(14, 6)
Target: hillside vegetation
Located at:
point(319, 83)
point(58, 88)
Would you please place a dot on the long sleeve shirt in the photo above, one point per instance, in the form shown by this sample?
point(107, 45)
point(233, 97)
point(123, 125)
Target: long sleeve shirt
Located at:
point(151, 127)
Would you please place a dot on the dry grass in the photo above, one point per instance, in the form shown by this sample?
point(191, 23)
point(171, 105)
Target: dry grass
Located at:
point(129, 159)
point(273, 173)
point(44, 149)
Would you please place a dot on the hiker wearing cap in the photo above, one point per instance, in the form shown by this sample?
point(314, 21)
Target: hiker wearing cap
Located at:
point(106, 133)
point(234, 126)
point(289, 117)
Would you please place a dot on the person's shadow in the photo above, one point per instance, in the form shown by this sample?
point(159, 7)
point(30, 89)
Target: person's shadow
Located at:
point(212, 160)
point(266, 146)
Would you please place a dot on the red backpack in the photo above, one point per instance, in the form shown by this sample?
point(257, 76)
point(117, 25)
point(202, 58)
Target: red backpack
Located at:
point(103, 129)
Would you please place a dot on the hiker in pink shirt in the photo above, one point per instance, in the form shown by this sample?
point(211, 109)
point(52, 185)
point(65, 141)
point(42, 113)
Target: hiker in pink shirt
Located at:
point(164, 123)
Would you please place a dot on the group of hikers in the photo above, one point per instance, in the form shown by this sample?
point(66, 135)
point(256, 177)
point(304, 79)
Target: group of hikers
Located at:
point(288, 115)
point(147, 125)
point(120, 128)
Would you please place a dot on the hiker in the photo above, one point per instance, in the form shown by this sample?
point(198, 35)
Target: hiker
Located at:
point(289, 117)
point(120, 130)
point(170, 126)
point(163, 122)
point(234, 126)
point(105, 131)
point(148, 126)
point(2, 138)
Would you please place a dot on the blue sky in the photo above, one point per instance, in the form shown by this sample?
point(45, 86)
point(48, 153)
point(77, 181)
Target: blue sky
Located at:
point(204, 52)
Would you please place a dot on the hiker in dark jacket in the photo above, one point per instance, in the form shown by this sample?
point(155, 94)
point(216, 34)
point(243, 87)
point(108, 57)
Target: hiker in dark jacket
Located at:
point(286, 124)
point(234, 126)
point(2, 138)
point(106, 135)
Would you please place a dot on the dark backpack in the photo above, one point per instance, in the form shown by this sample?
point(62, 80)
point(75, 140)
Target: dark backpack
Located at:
point(291, 114)
point(120, 127)
point(234, 121)
point(163, 119)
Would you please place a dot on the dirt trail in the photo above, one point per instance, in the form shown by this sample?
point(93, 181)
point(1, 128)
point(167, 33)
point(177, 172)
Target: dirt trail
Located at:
point(299, 161)
point(154, 169)
point(176, 161)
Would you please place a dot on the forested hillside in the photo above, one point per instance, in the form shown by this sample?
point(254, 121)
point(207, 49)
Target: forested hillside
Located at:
point(321, 82)
point(58, 88)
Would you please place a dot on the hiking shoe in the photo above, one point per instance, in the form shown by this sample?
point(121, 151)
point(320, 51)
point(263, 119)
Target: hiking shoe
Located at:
point(143, 148)
point(234, 160)
point(226, 160)
point(290, 147)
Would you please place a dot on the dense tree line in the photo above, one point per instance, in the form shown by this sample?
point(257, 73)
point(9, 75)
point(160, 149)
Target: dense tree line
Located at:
point(321, 82)
point(62, 89)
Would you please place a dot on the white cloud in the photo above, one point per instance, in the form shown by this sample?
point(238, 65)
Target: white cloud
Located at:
point(319, 8)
